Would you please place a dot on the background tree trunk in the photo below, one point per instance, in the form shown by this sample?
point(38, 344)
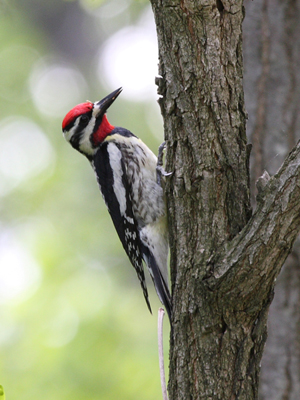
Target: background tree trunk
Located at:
point(272, 93)
point(222, 275)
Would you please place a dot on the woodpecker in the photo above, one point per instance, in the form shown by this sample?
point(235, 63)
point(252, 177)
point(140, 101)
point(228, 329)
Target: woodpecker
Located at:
point(129, 180)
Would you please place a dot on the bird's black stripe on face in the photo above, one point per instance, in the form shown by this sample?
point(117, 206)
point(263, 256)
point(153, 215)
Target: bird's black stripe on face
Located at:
point(83, 121)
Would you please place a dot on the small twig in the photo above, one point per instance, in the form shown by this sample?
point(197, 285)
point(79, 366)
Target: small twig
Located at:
point(161, 313)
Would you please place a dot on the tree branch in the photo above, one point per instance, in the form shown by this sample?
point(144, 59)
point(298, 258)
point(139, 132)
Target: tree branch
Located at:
point(253, 259)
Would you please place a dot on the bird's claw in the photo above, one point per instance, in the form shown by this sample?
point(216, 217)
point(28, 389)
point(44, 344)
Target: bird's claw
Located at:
point(160, 171)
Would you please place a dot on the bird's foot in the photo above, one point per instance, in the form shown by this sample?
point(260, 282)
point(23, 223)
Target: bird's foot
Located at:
point(160, 171)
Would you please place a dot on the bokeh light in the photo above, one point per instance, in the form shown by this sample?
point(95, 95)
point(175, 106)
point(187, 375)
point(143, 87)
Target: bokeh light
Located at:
point(56, 87)
point(25, 152)
point(73, 320)
point(20, 275)
point(129, 59)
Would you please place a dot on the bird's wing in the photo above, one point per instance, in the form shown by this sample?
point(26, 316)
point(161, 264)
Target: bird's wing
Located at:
point(111, 175)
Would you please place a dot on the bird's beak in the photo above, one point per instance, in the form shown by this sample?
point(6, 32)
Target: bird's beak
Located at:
point(105, 103)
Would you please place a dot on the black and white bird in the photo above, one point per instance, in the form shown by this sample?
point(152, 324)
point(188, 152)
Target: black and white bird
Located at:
point(126, 171)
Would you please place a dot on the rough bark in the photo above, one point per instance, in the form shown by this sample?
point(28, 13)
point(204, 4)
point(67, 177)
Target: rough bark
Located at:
point(223, 264)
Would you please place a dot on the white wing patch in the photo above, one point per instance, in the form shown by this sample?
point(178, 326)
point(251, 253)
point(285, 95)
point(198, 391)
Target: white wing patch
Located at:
point(115, 157)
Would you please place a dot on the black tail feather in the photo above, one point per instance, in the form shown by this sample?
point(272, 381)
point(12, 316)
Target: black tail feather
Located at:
point(160, 285)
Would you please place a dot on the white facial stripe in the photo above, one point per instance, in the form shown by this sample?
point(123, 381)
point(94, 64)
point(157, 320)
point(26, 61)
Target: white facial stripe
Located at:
point(96, 110)
point(68, 134)
point(85, 144)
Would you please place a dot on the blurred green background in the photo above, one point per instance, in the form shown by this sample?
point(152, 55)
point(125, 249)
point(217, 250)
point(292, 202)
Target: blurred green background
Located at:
point(73, 321)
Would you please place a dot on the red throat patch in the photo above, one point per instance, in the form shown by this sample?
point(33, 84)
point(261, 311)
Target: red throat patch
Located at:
point(75, 112)
point(104, 129)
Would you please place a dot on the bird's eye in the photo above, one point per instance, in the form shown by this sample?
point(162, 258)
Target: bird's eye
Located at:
point(84, 119)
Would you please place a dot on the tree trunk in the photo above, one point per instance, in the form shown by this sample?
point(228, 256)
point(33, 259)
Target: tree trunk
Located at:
point(272, 94)
point(223, 262)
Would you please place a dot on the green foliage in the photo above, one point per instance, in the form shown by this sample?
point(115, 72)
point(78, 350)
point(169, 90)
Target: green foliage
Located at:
point(73, 319)
point(2, 394)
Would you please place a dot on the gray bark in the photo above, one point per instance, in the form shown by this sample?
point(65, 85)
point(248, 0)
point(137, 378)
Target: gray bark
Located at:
point(223, 261)
point(272, 93)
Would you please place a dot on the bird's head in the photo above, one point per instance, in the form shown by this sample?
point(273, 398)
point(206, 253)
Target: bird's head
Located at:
point(86, 125)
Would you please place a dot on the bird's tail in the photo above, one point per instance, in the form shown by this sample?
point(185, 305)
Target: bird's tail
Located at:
point(161, 286)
